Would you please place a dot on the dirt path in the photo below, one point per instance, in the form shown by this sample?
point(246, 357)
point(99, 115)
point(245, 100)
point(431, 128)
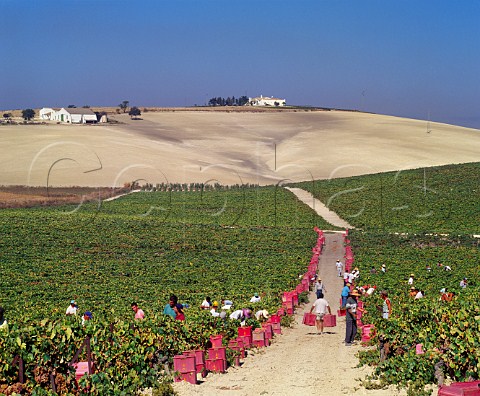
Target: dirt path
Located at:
point(299, 362)
point(319, 207)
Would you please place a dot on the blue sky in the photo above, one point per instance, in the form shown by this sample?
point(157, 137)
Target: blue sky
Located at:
point(418, 59)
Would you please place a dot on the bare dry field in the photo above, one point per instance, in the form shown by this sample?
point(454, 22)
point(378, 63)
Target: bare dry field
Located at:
point(228, 147)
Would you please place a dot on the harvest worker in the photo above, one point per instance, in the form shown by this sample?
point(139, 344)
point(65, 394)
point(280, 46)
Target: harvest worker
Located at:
point(226, 304)
point(319, 287)
point(168, 310)
point(178, 308)
point(3, 321)
point(351, 329)
point(321, 307)
point(256, 298)
point(420, 294)
point(86, 317)
point(384, 269)
point(410, 280)
point(339, 266)
point(413, 291)
point(345, 277)
point(463, 283)
point(139, 314)
point(345, 292)
point(262, 314)
point(206, 304)
point(214, 309)
point(72, 308)
point(387, 305)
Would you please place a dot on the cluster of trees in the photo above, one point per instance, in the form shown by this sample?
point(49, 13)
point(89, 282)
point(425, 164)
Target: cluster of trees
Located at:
point(230, 101)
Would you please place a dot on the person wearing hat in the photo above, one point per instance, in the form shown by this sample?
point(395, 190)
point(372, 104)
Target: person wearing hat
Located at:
point(255, 299)
point(72, 308)
point(214, 309)
point(410, 280)
point(463, 283)
point(351, 317)
point(345, 293)
point(413, 291)
point(86, 317)
point(384, 268)
point(339, 266)
point(319, 287)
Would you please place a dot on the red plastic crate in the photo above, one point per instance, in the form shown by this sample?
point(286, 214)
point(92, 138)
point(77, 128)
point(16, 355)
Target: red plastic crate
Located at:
point(189, 377)
point(216, 341)
point(281, 312)
point(309, 319)
point(259, 343)
point(275, 319)
point(258, 335)
point(184, 364)
point(460, 389)
point(268, 330)
point(245, 331)
point(247, 341)
point(277, 328)
point(341, 312)
point(217, 353)
point(329, 320)
point(199, 355)
point(81, 368)
point(216, 365)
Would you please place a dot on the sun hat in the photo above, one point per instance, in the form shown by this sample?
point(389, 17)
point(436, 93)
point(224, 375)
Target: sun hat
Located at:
point(215, 304)
point(355, 293)
point(412, 288)
point(255, 294)
point(412, 275)
point(443, 290)
point(72, 302)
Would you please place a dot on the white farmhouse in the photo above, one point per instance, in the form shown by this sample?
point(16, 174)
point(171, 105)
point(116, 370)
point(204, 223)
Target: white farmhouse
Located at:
point(266, 101)
point(75, 116)
point(46, 113)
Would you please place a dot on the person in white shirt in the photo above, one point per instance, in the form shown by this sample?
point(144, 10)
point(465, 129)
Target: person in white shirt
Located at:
point(227, 304)
point(384, 268)
point(262, 314)
point(256, 298)
point(410, 280)
point(213, 311)
point(371, 290)
point(351, 278)
point(321, 308)
point(447, 268)
point(345, 277)
point(419, 295)
point(463, 283)
point(339, 266)
point(72, 308)
point(206, 304)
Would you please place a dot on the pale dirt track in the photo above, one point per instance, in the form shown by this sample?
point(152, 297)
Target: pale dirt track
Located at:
point(299, 362)
point(227, 148)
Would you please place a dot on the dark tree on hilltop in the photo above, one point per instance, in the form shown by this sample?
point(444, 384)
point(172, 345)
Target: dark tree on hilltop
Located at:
point(7, 116)
point(71, 107)
point(230, 101)
point(124, 105)
point(134, 112)
point(28, 114)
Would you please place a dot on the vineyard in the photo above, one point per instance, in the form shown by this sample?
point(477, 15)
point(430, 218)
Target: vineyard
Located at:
point(416, 221)
point(439, 199)
point(143, 247)
point(231, 243)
